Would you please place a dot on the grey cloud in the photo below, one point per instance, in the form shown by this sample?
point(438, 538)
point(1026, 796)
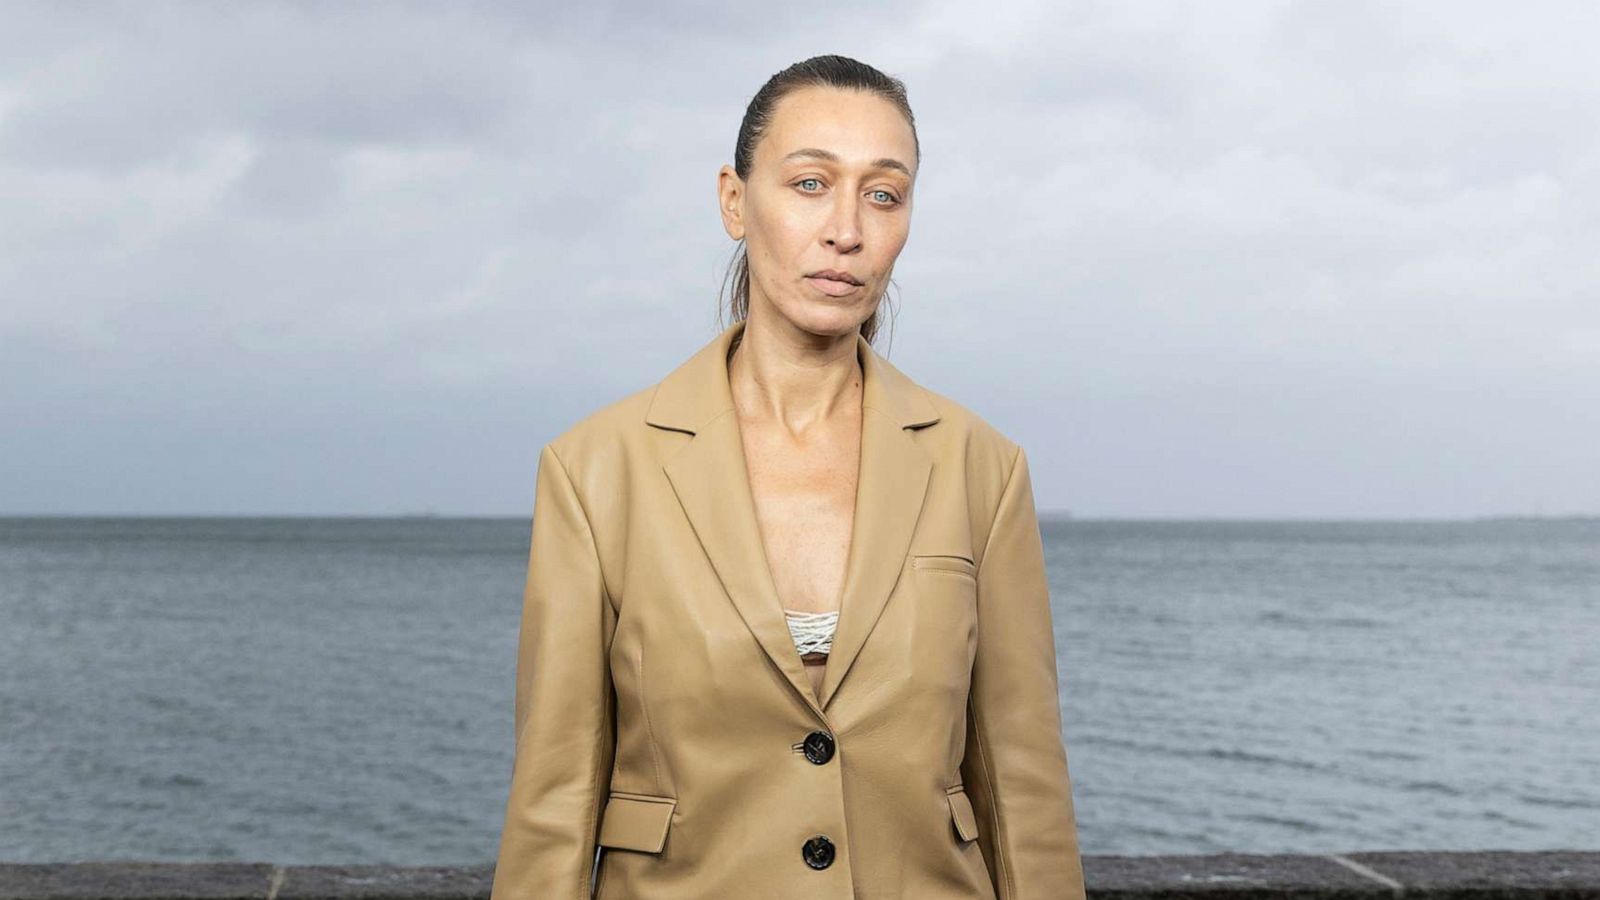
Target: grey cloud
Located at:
point(1303, 260)
point(135, 93)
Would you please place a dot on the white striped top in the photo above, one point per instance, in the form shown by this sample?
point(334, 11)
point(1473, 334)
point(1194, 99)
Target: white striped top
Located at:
point(812, 632)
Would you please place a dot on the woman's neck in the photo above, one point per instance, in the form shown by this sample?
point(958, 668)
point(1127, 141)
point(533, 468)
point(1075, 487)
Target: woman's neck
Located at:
point(794, 377)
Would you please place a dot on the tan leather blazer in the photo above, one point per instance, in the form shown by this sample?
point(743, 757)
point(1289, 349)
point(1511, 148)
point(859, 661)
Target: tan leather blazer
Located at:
point(664, 719)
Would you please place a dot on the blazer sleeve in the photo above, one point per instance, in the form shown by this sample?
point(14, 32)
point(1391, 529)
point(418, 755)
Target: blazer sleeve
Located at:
point(1015, 767)
point(563, 723)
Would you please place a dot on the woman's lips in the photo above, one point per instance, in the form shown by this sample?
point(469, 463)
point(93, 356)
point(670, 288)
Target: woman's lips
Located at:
point(833, 288)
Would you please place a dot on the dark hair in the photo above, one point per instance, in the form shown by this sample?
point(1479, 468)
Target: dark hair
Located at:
point(818, 71)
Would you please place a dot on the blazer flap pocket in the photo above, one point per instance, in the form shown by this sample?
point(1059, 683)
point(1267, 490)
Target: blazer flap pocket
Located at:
point(961, 814)
point(945, 563)
point(636, 822)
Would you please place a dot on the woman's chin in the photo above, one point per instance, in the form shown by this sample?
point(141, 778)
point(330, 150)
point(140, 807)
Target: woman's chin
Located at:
point(832, 318)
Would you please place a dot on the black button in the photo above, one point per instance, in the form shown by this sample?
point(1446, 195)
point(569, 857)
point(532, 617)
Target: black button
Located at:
point(819, 747)
point(818, 852)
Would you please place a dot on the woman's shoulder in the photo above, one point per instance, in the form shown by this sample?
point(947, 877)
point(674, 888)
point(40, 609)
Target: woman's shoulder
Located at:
point(965, 422)
point(953, 427)
point(964, 433)
point(604, 432)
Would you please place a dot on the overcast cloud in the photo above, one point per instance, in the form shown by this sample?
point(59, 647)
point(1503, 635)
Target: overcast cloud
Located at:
point(1227, 259)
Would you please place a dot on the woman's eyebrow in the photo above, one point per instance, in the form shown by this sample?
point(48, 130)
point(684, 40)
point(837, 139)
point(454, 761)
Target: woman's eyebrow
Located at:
point(816, 153)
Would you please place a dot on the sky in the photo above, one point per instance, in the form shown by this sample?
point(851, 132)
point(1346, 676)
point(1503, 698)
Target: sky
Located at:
point(1224, 260)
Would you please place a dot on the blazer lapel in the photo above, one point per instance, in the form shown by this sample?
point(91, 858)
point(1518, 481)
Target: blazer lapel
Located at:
point(890, 486)
point(711, 481)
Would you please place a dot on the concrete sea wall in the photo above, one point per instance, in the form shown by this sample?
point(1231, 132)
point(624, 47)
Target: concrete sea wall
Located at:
point(1485, 875)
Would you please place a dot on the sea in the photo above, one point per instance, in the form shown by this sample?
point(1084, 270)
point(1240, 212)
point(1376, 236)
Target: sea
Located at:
point(339, 691)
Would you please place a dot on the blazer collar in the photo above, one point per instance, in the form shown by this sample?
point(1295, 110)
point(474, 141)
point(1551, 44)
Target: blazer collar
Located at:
point(697, 390)
point(711, 481)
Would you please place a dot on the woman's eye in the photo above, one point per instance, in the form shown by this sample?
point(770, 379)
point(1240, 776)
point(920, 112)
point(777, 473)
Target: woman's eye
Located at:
point(881, 195)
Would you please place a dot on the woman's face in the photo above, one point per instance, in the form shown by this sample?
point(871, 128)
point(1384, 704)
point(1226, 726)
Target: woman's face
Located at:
point(829, 189)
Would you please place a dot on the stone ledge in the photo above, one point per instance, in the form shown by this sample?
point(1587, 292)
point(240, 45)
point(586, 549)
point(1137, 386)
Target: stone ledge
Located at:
point(1478, 875)
point(1483, 875)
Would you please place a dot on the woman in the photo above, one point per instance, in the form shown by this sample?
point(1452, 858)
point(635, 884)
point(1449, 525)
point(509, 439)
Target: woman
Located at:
point(783, 499)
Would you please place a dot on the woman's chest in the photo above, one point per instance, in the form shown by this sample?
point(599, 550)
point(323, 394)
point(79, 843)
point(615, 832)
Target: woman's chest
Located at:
point(804, 496)
point(687, 573)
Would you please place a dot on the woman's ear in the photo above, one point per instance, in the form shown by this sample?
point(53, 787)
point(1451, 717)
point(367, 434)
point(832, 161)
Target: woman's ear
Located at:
point(730, 202)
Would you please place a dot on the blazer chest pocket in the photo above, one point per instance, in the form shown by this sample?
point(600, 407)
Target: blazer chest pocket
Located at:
point(961, 814)
point(942, 563)
point(636, 821)
point(943, 624)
